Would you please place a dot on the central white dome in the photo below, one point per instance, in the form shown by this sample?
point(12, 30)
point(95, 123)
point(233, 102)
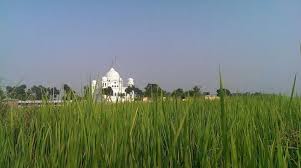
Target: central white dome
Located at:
point(113, 75)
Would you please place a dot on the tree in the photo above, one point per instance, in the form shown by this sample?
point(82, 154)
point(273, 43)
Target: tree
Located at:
point(129, 89)
point(206, 93)
point(38, 92)
point(16, 92)
point(68, 92)
point(107, 91)
point(87, 91)
point(67, 88)
point(2, 95)
point(122, 95)
point(30, 95)
point(9, 91)
point(21, 92)
point(178, 93)
point(225, 91)
point(194, 92)
point(137, 91)
point(153, 90)
point(53, 93)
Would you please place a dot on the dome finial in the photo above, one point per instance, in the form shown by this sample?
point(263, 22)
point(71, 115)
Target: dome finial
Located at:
point(113, 62)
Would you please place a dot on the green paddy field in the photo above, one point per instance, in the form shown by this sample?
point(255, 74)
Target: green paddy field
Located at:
point(242, 131)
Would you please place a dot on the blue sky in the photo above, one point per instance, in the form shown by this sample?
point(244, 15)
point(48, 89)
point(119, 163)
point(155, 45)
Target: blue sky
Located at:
point(172, 43)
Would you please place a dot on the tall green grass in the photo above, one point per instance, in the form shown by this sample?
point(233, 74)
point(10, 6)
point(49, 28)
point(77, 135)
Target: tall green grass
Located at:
point(258, 131)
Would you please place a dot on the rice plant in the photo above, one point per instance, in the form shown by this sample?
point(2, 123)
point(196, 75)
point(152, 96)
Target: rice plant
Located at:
point(244, 131)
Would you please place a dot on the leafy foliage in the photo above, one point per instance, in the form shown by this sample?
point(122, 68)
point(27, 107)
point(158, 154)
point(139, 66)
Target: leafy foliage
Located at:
point(107, 91)
point(17, 92)
point(153, 90)
point(34, 93)
point(178, 93)
point(137, 91)
point(2, 95)
point(40, 92)
point(69, 93)
point(194, 92)
point(226, 92)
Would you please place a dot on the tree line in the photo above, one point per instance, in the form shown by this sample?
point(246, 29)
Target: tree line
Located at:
point(154, 90)
point(39, 92)
point(36, 92)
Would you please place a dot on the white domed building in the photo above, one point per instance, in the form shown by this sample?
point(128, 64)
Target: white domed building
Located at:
point(113, 80)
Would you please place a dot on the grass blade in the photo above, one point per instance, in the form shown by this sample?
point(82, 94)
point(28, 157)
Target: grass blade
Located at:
point(223, 119)
point(293, 91)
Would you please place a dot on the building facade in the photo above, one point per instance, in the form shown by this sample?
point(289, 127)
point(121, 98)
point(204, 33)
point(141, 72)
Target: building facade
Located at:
point(112, 80)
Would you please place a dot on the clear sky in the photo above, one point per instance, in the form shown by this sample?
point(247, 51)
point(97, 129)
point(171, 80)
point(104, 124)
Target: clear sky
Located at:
point(172, 43)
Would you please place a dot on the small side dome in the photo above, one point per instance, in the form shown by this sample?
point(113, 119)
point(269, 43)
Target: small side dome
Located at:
point(104, 79)
point(131, 82)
